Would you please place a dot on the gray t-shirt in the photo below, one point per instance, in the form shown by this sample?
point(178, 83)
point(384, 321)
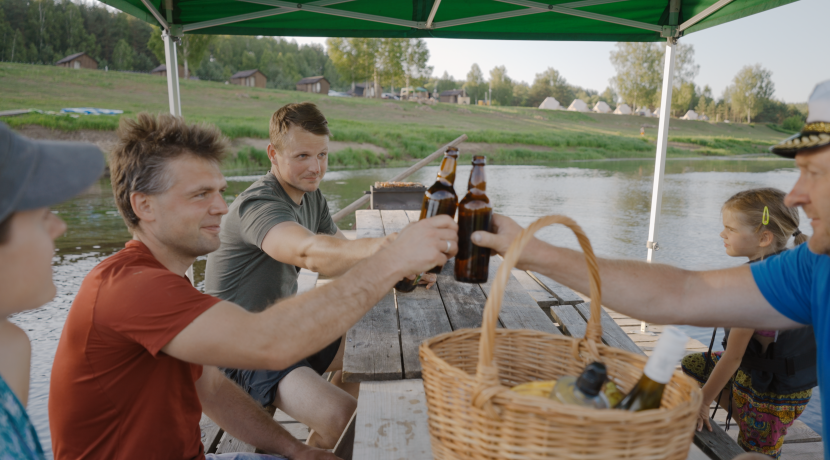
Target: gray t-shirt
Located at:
point(240, 271)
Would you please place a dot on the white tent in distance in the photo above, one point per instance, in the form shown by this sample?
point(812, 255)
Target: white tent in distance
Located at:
point(578, 105)
point(623, 109)
point(601, 107)
point(550, 104)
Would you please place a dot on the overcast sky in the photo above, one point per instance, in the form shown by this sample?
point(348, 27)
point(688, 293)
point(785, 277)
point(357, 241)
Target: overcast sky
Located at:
point(790, 40)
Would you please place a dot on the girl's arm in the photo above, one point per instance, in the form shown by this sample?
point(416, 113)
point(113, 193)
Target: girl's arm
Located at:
point(723, 371)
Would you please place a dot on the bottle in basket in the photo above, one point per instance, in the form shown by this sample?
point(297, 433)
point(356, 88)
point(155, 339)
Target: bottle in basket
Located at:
point(441, 198)
point(585, 390)
point(648, 392)
point(474, 213)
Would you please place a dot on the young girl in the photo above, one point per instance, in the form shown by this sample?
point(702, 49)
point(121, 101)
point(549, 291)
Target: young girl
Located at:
point(763, 379)
point(33, 176)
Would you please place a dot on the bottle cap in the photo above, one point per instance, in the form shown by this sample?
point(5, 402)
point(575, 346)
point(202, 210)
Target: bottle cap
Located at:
point(592, 379)
point(669, 350)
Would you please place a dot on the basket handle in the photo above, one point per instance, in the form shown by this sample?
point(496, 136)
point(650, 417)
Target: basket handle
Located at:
point(488, 384)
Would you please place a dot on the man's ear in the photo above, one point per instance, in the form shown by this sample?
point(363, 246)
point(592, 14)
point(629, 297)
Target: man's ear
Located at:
point(766, 238)
point(272, 153)
point(142, 206)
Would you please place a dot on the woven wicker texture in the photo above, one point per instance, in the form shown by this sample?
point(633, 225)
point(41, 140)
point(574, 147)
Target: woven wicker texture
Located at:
point(474, 415)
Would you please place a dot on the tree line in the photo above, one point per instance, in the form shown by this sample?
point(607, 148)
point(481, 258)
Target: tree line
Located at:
point(45, 31)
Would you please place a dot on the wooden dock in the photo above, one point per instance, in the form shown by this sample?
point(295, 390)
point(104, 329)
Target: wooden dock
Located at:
point(569, 310)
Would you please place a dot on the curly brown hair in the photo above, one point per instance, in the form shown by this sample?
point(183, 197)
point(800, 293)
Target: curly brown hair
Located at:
point(305, 115)
point(146, 144)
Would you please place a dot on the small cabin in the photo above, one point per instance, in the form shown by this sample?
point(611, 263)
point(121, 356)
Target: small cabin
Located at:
point(317, 85)
point(454, 96)
point(161, 71)
point(253, 78)
point(362, 90)
point(78, 61)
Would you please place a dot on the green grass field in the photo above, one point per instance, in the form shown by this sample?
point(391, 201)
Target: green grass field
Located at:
point(405, 130)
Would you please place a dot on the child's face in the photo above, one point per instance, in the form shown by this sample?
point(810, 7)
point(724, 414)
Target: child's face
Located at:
point(739, 240)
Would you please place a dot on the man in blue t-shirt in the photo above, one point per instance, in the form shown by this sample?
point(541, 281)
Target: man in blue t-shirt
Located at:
point(783, 292)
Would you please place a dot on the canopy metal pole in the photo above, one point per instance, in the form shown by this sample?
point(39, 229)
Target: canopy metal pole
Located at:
point(172, 64)
point(662, 144)
point(173, 97)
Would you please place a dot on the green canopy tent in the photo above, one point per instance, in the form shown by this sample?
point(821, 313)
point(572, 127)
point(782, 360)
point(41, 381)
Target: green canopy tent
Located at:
point(586, 20)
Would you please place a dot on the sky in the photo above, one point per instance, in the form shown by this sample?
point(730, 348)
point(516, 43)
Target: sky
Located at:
point(789, 40)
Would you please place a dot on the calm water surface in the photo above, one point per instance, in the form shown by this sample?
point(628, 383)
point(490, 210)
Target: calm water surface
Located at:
point(609, 199)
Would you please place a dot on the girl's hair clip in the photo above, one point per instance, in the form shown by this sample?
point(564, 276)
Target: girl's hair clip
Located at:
point(765, 218)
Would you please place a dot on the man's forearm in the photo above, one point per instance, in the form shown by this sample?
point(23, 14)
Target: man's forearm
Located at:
point(306, 324)
point(238, 414)
point(661, 293)
point(332, 256)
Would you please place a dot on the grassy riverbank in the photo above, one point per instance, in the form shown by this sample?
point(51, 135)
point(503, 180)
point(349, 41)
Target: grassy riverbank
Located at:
point(368, 132)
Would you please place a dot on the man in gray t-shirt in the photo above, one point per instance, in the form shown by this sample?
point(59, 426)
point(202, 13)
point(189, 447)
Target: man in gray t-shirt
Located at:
point(279, 225)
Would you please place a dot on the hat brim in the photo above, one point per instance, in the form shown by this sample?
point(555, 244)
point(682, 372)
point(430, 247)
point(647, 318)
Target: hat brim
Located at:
point(63, 170)
point(801, 142)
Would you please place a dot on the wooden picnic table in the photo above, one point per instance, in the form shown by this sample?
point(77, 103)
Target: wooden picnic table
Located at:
point(382, 348)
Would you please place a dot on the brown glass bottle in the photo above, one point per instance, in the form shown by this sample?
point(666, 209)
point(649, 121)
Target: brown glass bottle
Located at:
point(441, 198)
point(474, 213)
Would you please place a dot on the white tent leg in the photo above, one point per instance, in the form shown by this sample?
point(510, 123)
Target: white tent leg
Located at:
point(172, 64)
point(660, 163)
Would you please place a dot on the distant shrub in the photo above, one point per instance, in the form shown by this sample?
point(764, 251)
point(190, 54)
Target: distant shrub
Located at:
point(794, 123)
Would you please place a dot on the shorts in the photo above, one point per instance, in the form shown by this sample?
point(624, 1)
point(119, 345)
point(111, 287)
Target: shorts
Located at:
point(262, 384)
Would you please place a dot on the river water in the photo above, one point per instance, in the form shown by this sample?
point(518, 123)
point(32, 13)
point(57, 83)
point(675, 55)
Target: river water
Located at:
point(609, 199)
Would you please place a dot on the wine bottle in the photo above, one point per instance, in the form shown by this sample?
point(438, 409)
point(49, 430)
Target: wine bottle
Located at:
point(586, 390)
point(648, 392)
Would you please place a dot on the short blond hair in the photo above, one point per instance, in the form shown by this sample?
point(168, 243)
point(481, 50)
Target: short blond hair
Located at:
point(304, 115)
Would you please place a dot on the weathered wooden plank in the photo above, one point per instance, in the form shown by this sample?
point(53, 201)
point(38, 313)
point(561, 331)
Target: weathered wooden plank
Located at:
point(518, 309)
point(393, 220)
point(298, 430)
point(571, 322)
point(541, 295)
point(306, 280)
point(717, 444)
point(565, 294)
point(345, 445)
point(230, 444)
point(464, 302)
point(414, 216)
point(392, 422)
point(612, 334)
point(422, 315)
point(211, 434)
point(368, 223)
point(373, 348)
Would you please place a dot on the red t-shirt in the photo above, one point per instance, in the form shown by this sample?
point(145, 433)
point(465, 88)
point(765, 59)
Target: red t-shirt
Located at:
point(114, 394)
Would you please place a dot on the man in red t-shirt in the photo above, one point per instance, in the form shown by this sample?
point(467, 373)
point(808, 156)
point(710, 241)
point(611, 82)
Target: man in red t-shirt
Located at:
point(137, 361)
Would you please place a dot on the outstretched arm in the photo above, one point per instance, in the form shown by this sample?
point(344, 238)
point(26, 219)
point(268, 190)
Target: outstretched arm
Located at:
point(655, 293)
point(291, 243)
point(227, 336)
point(238, 414)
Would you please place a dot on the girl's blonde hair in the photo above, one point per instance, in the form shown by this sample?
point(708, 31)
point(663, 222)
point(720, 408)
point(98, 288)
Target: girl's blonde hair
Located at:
point(783, 220)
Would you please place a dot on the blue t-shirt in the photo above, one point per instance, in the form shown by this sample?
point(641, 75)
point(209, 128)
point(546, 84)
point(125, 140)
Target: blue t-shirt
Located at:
point(18, 439)
point(797, 284)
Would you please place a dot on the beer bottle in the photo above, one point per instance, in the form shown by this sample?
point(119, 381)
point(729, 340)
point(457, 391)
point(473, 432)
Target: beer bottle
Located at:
point(648, 392)
point(441, 198)
point(474, 213)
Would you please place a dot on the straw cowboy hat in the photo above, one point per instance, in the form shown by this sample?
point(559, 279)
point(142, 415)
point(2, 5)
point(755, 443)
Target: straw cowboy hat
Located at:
point(816, 133)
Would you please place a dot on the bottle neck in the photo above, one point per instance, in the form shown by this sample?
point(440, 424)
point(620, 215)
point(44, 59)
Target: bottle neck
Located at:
point(667, 354)
point(478, 180)
point(447, 171)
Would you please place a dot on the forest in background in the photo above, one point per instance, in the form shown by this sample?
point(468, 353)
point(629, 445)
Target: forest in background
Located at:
point(44, 31)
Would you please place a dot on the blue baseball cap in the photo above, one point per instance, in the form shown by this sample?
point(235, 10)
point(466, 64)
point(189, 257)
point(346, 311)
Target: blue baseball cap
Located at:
point(36, 174)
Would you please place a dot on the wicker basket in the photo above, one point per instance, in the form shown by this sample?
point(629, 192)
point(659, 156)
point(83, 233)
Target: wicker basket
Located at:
point(474, 415)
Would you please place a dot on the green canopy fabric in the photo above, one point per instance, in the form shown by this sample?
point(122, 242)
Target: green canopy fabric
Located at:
point(588, 20)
